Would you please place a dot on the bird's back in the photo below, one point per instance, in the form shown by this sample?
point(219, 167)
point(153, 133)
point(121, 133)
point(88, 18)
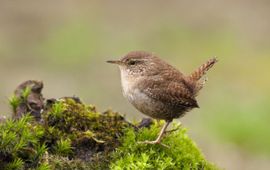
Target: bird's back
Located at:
point(168, 92)
point(173, 92)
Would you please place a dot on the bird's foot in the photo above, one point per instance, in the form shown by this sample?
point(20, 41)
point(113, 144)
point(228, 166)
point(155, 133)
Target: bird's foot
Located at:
point(153, 143)
point(173, 130)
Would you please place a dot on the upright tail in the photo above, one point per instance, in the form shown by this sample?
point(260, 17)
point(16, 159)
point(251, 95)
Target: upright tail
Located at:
point(196, 76)
point(198, 73)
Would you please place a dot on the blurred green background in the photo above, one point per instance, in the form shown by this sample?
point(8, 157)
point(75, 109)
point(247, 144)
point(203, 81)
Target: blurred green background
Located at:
point(66, 44)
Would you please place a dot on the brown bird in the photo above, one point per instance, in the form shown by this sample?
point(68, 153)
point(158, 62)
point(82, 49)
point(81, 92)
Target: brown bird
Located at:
point(157, 89)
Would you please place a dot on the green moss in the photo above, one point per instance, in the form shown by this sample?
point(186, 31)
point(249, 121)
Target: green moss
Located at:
point(14, 102)
point(181, 154)
point(19, 144)
point(77, 133)
point(68, 119)
point(64, 163)
point(25, 93)
point(72, 135)
point(63, 147)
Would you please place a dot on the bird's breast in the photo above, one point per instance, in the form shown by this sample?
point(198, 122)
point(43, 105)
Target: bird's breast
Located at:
point(131, 91)
point(128, 85)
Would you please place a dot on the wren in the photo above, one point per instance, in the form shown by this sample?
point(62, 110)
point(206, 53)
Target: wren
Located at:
point(157, 89)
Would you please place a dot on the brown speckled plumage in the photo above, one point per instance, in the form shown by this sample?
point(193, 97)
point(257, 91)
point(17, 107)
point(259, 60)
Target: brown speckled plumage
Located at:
point(156, 88)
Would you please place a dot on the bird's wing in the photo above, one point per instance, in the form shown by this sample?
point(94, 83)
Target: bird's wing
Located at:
point(174, 93)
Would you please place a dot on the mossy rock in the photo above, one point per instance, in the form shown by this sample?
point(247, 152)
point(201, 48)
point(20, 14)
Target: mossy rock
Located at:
point(72, 135)
point(87, 130)
point(70, 132)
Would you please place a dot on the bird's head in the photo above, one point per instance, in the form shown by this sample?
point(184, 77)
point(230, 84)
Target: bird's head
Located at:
point(137, 63)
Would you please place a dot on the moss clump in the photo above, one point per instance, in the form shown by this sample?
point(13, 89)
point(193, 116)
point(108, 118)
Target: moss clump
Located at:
point(20, 147)
point(76, 130)
point(71, 135)
point(64, 163)
point(181, 154)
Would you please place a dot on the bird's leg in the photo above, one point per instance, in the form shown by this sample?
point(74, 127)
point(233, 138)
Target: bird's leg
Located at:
point(161, 133)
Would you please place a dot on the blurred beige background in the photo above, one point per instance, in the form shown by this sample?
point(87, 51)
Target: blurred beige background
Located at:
point(66, 44)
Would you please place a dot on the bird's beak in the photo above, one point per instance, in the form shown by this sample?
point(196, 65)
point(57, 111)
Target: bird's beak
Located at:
point(118, 62)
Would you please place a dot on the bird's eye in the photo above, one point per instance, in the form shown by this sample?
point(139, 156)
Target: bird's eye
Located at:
point(131, 62)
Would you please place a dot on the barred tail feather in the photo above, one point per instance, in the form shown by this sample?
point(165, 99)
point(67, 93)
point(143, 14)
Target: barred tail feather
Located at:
point(198, 74)
point(197, 77)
